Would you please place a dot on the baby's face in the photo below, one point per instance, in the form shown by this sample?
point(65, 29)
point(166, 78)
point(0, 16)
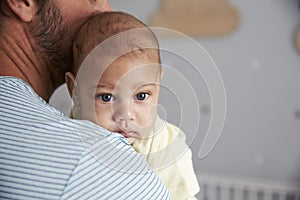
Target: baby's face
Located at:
point(125, 98)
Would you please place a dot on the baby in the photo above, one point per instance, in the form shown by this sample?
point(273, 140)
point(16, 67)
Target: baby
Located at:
point(118, 88)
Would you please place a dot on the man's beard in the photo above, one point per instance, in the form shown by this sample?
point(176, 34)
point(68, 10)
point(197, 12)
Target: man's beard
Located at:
point(54, 41)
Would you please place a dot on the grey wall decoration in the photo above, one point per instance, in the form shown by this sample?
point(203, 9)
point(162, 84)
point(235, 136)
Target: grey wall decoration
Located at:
point(197, 17)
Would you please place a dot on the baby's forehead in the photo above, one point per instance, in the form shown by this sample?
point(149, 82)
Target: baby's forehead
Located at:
point(141, 56)
point(100, 60)
point(147, 55)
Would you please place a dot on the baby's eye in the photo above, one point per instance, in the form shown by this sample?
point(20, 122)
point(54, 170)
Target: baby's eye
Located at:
point(141, 96)
point(105, 97)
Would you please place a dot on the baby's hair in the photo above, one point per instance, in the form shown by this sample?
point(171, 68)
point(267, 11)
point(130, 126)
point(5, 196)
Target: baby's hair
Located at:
point(105, 25)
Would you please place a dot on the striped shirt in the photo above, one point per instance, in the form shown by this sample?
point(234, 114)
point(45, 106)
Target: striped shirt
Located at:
point(46, 155)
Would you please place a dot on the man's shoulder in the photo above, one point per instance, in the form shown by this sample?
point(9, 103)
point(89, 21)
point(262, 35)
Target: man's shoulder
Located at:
point(28, 114)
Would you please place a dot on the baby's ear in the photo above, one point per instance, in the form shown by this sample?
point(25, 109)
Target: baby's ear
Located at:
point(71, 85)
point(161, 73)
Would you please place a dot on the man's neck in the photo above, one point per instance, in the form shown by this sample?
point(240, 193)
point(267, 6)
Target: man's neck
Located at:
point(19, 59)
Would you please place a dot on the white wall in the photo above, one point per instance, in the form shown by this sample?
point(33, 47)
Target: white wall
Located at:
point(261, 71)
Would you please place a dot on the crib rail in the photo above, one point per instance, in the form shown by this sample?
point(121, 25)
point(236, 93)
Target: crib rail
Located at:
point(228, 188)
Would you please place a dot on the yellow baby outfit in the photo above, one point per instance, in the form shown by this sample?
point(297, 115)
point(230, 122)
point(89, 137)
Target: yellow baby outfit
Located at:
point(170, 157)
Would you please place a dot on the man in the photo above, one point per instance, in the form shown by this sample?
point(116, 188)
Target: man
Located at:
point(43, 154)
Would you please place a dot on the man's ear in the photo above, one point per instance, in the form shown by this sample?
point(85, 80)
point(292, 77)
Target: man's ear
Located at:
point(24, 9)
point(71, 85)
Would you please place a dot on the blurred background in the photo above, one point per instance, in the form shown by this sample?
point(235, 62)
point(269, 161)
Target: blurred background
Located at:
point(258, 153)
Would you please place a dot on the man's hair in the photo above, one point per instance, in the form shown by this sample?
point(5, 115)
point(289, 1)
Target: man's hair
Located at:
point(139, 41)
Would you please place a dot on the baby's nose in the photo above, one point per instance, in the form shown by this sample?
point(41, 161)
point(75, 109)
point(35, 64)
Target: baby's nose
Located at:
point(123, 113)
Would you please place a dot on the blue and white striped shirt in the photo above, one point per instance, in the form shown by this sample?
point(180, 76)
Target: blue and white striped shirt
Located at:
point(46, 155)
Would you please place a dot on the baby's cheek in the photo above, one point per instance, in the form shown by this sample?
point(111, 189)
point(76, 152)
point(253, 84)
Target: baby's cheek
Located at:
point(146, 117)
point(147, 123)
point(101, 119)
point(90, 115)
